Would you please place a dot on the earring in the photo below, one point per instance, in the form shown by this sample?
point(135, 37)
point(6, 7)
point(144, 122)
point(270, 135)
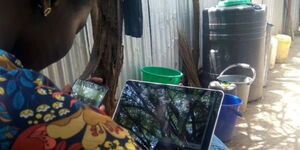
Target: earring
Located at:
point(47, 7)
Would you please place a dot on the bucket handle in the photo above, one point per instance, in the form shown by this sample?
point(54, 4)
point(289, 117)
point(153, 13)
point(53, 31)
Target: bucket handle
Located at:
point(241, 65)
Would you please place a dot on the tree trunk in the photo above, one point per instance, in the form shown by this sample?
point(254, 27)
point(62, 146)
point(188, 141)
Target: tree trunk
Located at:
point(107, 54)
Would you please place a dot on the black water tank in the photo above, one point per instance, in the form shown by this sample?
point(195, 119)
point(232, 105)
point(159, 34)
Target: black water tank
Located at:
point(234, 34)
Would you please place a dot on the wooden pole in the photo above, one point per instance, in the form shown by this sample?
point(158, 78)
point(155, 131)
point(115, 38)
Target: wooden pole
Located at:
point(196, 32)
point(107, 54)
point(288, 23)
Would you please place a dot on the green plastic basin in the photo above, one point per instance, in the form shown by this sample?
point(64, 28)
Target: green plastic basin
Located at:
point(161, 74)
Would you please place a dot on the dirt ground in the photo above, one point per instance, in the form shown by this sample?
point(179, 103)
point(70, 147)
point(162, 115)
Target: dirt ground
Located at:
point(274, 121)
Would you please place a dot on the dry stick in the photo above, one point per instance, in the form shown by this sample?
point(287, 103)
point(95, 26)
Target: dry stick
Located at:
point(189, 67)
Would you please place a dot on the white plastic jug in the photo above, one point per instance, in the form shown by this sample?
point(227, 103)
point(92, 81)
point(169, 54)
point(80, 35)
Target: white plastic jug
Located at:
point(274, 45)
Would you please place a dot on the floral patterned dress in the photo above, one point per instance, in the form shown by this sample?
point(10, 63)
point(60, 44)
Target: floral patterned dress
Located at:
point(35, 115)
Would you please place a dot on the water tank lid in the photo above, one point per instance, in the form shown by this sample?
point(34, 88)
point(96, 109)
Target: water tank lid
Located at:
point(227, 3)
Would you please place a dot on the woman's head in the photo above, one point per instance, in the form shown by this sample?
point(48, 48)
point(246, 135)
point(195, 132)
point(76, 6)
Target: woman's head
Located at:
point(36, 39)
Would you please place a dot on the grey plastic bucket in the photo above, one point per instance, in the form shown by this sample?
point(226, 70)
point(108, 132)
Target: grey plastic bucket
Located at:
point(242, 82)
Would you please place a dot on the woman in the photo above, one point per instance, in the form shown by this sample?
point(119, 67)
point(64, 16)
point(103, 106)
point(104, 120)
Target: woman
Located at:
point(34, 114)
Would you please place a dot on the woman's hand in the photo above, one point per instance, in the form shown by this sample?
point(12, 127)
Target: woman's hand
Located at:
point(67, 89)
point(96, 80)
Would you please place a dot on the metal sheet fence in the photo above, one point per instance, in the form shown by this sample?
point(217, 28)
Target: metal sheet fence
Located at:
point(276, 13)
point(159, 44)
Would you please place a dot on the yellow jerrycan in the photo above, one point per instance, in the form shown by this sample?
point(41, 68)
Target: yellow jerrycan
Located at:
point(284, 44)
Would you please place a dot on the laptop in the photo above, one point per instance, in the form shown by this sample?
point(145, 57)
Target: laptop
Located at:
point(168, 117)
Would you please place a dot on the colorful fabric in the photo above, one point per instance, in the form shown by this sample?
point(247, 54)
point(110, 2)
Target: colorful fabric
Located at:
point(35, 115)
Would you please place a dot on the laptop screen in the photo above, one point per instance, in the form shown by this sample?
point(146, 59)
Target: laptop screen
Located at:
point(168, 117)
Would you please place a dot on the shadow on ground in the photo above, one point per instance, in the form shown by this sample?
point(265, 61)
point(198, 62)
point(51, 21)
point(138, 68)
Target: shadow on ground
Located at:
point(274, 121)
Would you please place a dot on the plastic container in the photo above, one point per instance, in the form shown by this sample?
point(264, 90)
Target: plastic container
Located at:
point(274, 45)
point(284, 44)
point(243, 82)
point(233, 35)
point(227, 117)
point(161, 75)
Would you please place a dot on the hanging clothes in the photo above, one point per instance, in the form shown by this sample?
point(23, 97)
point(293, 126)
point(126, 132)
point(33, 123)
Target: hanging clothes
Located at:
point(133, 18)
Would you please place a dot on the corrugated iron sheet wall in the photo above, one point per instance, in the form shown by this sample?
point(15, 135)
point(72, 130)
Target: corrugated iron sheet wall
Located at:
point(276, 13)
point(159, 44)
